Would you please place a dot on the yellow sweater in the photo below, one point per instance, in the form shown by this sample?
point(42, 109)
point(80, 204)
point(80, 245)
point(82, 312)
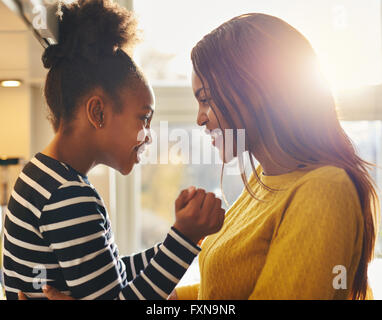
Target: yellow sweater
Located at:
point(287, 247)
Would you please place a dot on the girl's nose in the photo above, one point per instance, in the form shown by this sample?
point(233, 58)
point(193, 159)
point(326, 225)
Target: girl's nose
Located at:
point(148, 138)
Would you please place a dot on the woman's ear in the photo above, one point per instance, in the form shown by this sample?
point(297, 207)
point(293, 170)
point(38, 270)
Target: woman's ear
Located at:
point(95, 111)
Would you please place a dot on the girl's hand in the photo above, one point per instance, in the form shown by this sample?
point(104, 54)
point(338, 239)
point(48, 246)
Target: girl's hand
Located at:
point(198, 214)
point(50, 292)
point(53, 294)
point(173, 296)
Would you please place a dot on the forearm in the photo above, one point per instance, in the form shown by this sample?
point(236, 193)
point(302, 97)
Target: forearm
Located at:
point(163, 271)
point(139, 261)
point(105, 276)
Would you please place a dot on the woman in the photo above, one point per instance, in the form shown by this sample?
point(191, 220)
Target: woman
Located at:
point(304, 226)
point(309, 209)
point(57, 229)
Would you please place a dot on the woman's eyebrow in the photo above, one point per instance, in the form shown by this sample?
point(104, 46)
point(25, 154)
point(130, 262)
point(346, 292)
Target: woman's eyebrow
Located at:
point(197, 92)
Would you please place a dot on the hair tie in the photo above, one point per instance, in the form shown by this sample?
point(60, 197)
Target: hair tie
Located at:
point(52, 55)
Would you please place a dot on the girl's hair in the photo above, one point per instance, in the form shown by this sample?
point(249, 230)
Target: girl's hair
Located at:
point(93, 35)
point(264, 77)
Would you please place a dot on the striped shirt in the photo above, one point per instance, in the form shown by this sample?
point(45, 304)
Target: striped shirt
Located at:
point(57, 231)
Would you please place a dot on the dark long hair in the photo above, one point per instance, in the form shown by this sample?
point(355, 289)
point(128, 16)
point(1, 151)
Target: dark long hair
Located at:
point(263, 76)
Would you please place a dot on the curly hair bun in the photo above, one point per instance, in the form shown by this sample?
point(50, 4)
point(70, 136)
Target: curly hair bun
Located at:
point(91, 30)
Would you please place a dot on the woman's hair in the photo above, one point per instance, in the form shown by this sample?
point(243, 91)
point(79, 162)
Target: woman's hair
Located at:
point(93, 35)
point(264, 77)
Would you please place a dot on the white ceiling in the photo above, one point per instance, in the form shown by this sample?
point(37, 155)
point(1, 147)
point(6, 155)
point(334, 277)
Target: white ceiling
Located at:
point(20, 52)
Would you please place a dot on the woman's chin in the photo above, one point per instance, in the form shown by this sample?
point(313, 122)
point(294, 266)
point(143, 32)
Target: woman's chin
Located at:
point(228, 157)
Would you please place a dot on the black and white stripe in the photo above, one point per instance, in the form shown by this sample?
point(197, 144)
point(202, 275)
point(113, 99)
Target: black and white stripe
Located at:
point(57, 231)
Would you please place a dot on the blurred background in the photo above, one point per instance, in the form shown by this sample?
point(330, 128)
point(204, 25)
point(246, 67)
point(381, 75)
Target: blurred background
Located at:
point(346, 35)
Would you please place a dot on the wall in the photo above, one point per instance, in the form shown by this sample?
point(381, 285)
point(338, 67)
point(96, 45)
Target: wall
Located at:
point(14, 121)
point(14, 131)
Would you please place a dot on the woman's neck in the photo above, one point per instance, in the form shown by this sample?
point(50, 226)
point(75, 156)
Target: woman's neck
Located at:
point(271, 168)
point(280, 170)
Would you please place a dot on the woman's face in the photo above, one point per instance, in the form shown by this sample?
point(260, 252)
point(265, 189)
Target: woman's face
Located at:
point(126, 134)
point(206, 117)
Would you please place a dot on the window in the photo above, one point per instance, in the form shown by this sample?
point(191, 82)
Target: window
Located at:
point(173, 168)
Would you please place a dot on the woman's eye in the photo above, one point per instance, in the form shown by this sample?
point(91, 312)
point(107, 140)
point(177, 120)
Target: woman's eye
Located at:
point(204, 101)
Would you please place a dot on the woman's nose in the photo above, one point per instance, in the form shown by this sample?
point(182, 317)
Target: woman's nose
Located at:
point(202, 119)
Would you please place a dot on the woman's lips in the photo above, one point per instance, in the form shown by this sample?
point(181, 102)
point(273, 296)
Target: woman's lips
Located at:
point(216, 136)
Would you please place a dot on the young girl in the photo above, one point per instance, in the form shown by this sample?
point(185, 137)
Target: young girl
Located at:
point(305, 225)
point(57, 229)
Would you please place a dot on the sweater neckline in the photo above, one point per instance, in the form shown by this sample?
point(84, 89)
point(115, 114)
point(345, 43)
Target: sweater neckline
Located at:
point(285, 178)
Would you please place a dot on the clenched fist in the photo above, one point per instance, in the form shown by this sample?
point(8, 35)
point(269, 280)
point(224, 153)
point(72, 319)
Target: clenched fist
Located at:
point(198, 213)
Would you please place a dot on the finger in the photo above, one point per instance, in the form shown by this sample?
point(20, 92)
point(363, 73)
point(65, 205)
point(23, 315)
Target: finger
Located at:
point(201, 241)
point(197, 200)
point(53, 294)
point(217, 204)
point(21, 296)
point(191, 192)
point(221, 217)
point(173, 296)
point(208, 203)
point(180, 201)
point(219, 213)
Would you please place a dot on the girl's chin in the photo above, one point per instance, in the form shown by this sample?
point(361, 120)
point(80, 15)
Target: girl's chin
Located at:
point(127, 167)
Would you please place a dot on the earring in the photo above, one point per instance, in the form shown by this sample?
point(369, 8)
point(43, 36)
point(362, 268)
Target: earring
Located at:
point(101, 124)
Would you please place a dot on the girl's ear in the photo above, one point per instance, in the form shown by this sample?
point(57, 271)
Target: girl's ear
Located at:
point(95, 111)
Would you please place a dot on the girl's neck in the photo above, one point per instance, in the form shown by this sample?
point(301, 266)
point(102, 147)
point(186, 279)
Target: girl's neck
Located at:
point(71, 151)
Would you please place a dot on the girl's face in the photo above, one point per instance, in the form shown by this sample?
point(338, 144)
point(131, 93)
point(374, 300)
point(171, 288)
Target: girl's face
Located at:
point(206, 117)
point(126, 134)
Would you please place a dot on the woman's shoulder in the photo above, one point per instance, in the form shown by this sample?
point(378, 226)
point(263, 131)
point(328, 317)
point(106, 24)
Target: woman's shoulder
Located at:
point(329, 184)
point(325, 175)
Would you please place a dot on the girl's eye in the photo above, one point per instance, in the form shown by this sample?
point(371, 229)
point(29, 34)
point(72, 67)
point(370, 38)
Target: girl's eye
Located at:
point(146, 120)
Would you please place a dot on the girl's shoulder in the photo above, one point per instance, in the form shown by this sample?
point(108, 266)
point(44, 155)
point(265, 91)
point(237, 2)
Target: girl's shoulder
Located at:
point(43, 180)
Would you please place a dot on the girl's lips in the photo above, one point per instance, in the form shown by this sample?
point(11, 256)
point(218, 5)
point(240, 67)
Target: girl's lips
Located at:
point(139, 150)
point(141, 147)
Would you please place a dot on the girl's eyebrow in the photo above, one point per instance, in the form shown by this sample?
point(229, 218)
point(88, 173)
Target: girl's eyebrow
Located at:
point(147, 107)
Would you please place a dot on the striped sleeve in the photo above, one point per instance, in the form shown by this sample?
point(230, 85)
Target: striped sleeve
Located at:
point(139, 261)
point(74, 224)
